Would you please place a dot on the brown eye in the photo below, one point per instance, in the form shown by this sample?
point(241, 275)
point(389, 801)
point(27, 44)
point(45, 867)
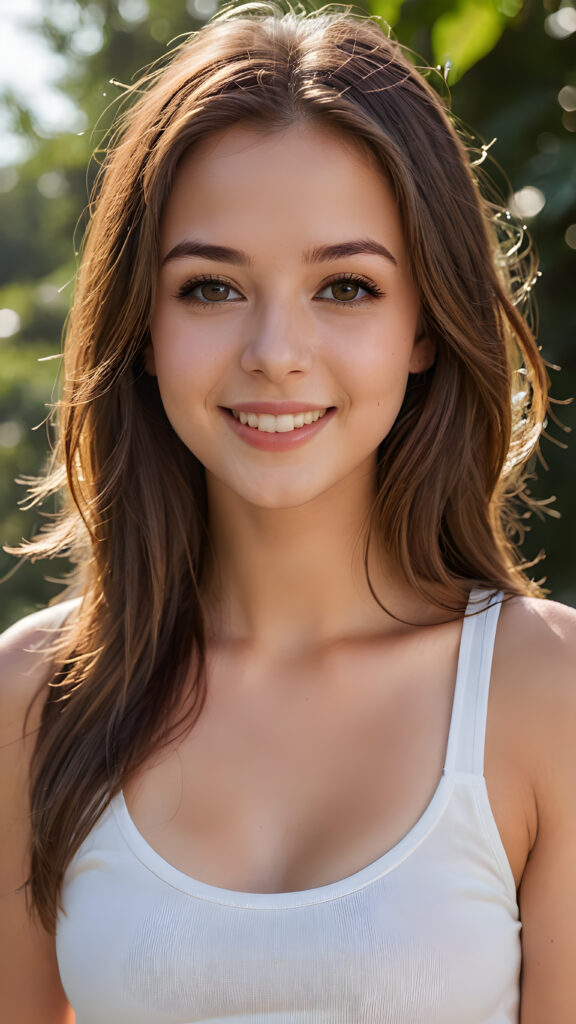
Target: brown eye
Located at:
point(213, 291)
point(345, 290)
point(349, 290)
point(208, 291)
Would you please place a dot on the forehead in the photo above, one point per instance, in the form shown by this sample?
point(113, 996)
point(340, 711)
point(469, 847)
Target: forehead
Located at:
point(301, 186)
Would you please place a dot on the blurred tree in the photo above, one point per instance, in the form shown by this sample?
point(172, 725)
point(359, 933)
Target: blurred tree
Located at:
point(511, 69)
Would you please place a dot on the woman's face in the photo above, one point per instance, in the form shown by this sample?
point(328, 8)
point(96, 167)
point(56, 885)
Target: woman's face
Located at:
point(284, 296)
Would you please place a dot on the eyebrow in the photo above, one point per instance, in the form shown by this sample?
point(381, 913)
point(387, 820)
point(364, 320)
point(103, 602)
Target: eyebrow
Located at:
point(358, 247)
point(321, 254)
point(218, 253)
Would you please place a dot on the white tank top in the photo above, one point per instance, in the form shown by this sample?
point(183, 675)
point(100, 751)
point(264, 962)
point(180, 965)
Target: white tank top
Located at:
point(427, 934)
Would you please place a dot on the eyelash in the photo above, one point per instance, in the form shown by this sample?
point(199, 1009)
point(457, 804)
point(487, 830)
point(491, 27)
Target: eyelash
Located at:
point(374, 292)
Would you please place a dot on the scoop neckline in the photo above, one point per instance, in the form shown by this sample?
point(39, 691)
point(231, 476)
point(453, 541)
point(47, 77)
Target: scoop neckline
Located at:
point(405, 846)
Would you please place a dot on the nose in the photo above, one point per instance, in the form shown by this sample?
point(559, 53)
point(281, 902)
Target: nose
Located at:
point(279, 341)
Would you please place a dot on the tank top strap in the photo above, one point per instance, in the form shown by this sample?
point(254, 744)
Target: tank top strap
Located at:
point(465, 752)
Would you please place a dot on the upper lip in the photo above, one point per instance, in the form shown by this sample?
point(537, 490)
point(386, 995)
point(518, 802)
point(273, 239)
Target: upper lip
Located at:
point(277, 408)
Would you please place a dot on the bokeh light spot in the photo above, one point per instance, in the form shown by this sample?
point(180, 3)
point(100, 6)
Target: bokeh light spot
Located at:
point(47, 293)
point(570, 236)
point(52, 185)
point(9, 178)
point(562, 23)
point(527, 202)
point(567, 97)
point(202, 9)
point(133, 11)
point(9, 322)
point(10, 434)
point(88, 40)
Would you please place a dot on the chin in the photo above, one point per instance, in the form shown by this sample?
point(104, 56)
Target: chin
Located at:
point(281, 500)
point(276, 495)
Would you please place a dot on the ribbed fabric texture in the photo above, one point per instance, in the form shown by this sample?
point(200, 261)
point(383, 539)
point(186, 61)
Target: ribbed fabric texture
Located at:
point(427, 934)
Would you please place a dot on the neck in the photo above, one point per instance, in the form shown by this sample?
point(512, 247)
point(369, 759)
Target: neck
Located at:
point(294, 579)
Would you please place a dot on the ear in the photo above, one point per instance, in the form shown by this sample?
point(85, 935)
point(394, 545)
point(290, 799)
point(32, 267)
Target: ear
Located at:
point(423, 354)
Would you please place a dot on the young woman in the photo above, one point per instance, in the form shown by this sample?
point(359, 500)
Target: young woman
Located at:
point(300, 748)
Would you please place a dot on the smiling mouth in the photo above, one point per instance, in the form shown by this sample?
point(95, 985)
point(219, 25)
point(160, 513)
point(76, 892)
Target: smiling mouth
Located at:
point(283, 424)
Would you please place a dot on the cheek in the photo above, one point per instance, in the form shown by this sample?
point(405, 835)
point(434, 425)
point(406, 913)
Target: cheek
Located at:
point(375, 352)
point(187, 359)
point(379, 368)
point(375, 381)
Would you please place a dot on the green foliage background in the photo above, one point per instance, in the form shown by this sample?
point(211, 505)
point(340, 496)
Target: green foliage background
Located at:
point(506, 74)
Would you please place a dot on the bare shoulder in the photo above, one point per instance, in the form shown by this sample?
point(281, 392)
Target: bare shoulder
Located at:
point(535, 726)
point(26, 950)
point(26, 658)
point(36, 630)
point(534, 678)
point(536, 647)
point(529, 618)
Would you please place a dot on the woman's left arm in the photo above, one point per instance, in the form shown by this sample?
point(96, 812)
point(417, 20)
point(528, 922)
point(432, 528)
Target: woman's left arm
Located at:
point(548, 889)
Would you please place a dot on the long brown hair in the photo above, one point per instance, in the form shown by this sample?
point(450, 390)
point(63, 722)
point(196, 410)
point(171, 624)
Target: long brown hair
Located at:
point(135, 518)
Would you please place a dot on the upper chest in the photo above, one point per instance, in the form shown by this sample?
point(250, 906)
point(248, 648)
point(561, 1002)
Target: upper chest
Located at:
point(296, 776)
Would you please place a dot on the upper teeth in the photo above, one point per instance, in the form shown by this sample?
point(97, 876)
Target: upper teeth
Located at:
point(278, 424)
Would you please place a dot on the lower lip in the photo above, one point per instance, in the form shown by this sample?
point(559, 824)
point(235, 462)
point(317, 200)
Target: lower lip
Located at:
point(277, 442)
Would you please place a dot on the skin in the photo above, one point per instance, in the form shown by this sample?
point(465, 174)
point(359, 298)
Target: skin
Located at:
point(279, 337)
point(280, 334)
point(300, 656)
